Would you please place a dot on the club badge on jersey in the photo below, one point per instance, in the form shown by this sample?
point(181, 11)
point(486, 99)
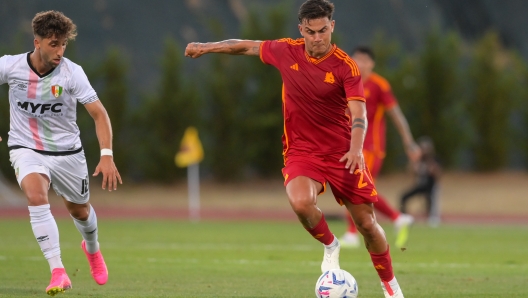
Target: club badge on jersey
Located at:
point(56, 90)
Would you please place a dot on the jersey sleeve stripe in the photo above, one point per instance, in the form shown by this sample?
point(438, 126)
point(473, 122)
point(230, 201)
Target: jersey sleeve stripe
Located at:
point(260, 52)
point(294, 42)
point(90, 99)
point(353, 66)
point(343, 56)
point(359, 98)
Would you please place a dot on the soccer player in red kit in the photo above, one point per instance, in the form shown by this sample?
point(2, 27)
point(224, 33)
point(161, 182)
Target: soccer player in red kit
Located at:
point(379, 99)
point(322, 143)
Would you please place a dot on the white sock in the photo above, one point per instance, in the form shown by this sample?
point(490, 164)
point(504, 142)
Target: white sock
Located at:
point(393, 284)
point(88, 231)
point(332, 245)
point(47, 234)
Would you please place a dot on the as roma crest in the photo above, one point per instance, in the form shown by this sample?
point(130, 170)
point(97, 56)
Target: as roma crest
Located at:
point(329, 78)
point(56, 90)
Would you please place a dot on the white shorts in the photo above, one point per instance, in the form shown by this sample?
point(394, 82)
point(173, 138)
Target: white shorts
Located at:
point(68, 174)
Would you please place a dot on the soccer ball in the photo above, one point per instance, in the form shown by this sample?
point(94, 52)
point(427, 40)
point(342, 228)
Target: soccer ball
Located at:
point(336, 283)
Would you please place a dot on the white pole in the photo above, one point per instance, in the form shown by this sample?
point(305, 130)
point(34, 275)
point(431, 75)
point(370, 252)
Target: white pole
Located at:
point(193, 179)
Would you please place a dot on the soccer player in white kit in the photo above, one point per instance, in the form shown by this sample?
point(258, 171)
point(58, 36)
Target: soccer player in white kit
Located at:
point(44, 143)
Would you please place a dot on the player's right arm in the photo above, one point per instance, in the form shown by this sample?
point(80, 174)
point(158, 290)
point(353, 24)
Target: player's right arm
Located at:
point(399, 120)
point(230, 46)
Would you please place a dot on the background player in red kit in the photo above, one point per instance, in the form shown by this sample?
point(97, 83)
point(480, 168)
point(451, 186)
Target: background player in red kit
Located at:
point(379, 99)
point(320, 84)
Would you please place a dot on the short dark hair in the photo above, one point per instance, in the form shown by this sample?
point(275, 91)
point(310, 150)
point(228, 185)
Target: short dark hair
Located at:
point(53, 23)
point(365, 50)
point(316, 9)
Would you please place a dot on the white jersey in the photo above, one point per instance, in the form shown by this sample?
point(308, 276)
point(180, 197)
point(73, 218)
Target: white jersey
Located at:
point(43, 108)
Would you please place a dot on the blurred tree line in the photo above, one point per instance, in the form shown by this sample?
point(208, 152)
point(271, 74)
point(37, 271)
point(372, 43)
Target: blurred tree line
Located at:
point(470, 97)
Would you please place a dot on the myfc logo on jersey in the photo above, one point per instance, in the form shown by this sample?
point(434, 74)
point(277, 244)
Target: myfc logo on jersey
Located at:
point(38, 109)
point(329, 78)
point(56, 90)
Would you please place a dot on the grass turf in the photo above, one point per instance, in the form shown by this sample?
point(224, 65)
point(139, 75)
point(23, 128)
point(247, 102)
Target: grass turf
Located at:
point(262, 259)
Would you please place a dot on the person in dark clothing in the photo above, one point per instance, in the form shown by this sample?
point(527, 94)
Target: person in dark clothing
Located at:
point(427, 171)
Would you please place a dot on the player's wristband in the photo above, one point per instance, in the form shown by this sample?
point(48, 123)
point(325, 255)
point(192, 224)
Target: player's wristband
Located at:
point(106, 152)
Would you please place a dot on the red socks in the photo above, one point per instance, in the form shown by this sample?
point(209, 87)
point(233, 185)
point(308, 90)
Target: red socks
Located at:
point(384, 208)
point(383, 264)
point(322, 233)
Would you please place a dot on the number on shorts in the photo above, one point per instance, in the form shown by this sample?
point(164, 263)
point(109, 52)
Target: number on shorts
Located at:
point(84, 187)
point(361, 184)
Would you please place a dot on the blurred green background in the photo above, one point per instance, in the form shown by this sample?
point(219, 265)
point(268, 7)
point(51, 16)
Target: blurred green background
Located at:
point(458, 68)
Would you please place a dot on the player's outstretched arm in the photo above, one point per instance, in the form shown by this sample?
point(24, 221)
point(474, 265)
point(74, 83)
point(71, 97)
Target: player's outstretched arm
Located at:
point(103, 129)
point(399, 120)
point(230, 46)
point(354, 157)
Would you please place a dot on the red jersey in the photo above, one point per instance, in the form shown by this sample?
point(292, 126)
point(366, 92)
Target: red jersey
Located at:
point(379, 98)
point(315, 95)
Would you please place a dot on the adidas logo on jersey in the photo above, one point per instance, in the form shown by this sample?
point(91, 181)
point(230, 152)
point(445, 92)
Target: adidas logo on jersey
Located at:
point(295, 67)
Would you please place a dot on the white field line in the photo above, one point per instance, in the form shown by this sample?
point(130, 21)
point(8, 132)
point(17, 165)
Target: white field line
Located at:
point(210, 246)
point(343, 264)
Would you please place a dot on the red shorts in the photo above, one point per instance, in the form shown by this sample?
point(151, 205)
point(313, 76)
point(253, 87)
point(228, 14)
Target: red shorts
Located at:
point(357, 188)
point(373, 162)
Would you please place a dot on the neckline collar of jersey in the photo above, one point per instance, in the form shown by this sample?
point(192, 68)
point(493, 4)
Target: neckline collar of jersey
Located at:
point(33, 68)
point(315, 60)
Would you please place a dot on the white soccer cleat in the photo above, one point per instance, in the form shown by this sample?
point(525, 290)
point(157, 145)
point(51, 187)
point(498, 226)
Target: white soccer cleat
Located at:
point(350, 240)
point(331, 258)
point(397, 294)
point(390, 293)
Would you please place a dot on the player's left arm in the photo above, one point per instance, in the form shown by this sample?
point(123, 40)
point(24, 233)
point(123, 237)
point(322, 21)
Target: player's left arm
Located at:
point(354, 157)
point(103, 130)
point(399, 120)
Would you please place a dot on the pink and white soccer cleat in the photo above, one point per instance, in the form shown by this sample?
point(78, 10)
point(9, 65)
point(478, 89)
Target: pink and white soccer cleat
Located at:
point(59, 283)
point(97, 265)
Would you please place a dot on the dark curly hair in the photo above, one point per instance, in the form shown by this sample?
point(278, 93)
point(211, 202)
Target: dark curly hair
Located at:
point(53, 23)
point(316, 9)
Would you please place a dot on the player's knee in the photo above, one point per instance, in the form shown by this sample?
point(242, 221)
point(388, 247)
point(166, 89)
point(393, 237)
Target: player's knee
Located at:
point(367, 227)
point(80, 213)
point(36, 198)
point(301, 204)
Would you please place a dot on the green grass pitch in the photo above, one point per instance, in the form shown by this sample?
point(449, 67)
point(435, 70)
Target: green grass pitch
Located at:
point(262, 259)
